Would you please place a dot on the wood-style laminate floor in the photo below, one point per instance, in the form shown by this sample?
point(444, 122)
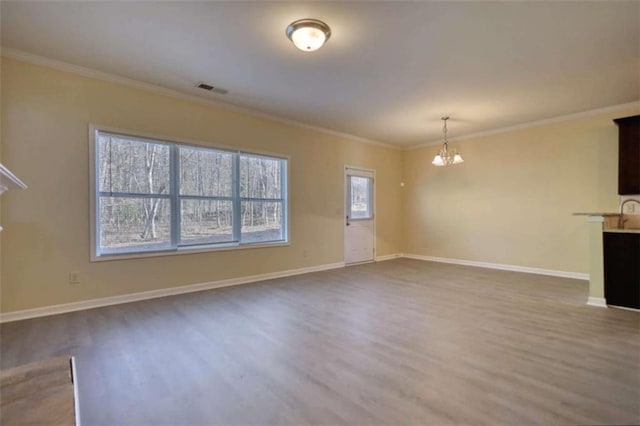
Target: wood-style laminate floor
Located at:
point(396, 342)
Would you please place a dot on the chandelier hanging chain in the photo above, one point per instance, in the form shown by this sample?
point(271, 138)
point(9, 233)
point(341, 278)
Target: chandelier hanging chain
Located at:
point(444, 156)
point(444, 130)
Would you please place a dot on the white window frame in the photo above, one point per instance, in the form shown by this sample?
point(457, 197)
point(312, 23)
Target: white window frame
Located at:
point(283, 194)
point(175, 197)
point(177, 232)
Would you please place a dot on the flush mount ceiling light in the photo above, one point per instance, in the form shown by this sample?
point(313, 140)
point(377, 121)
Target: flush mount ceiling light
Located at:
point(308, 34)
point(445, 156)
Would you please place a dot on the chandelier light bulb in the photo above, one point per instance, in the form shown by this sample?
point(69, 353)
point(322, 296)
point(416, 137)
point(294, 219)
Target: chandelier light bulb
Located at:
point(445, 157)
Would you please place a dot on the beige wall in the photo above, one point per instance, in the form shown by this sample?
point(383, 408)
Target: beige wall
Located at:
point(45, 119)
point(511, 201)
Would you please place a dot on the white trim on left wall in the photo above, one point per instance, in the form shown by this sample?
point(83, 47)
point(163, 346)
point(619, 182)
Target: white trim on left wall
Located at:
point(152, 294)
point(172, 291)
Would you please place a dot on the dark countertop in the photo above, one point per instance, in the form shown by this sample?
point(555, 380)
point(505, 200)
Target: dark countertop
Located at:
point(596, 214)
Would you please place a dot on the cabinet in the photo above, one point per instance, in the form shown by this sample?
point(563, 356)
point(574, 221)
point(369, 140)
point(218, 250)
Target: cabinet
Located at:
point(628, 155)
point(622, 269)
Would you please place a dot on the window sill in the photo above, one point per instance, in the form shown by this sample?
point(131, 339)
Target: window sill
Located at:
point(187, 250)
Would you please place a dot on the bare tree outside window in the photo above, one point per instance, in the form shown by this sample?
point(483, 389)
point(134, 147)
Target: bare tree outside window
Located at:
point(134, 178)
point(154, 195)
point(360, 197)
point(206, 190)
point(261, 195)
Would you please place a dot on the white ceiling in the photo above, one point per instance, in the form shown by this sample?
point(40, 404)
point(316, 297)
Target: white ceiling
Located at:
point(388, 73)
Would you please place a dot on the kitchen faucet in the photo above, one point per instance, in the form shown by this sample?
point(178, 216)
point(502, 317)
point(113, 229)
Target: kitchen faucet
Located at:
point(621, 221)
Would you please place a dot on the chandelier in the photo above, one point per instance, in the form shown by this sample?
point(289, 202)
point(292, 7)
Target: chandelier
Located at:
point(446, 156)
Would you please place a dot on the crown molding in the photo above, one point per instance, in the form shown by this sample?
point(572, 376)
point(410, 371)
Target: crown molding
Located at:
point(538, 123)
point(136, 84)
point(117, 79)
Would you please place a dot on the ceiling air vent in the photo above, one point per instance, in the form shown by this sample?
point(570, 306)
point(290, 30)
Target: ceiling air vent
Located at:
point(210, 88)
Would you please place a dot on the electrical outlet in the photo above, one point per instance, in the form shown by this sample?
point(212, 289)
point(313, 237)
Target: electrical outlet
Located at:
point(74, 277)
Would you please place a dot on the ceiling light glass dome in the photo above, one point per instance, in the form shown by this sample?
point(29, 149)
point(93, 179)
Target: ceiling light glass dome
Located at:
point(308, 34)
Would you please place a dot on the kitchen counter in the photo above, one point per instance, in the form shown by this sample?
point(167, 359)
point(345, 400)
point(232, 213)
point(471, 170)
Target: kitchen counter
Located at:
point(622, 231)
point(605, 226)
point(603, 214)
point(631, 223)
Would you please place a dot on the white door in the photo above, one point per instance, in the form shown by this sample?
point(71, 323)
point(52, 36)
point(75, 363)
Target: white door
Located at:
point(359, 234)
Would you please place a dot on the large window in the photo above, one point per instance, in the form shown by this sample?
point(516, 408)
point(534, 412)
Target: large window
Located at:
point(153, 195)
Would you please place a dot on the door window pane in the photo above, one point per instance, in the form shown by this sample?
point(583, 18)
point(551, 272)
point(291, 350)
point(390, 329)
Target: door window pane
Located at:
point(261, 221)
point(360, 192)
point(206, 172)
point(206, 221)
point(134, 223)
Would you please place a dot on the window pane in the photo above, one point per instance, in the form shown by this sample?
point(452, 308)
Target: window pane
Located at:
point(132, 166)
point(260, 177)
point(360, 197)
point(206, 172)
point(134, 224)
point(261, 221)
point(135, 176)
point(206, 221)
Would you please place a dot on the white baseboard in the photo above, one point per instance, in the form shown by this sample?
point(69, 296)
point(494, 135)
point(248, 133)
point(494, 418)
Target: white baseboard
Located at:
point(144, 295)
point(597, 301)
point(515, 268)
point(134, 297)
point(624, 308)
point(388, 257)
